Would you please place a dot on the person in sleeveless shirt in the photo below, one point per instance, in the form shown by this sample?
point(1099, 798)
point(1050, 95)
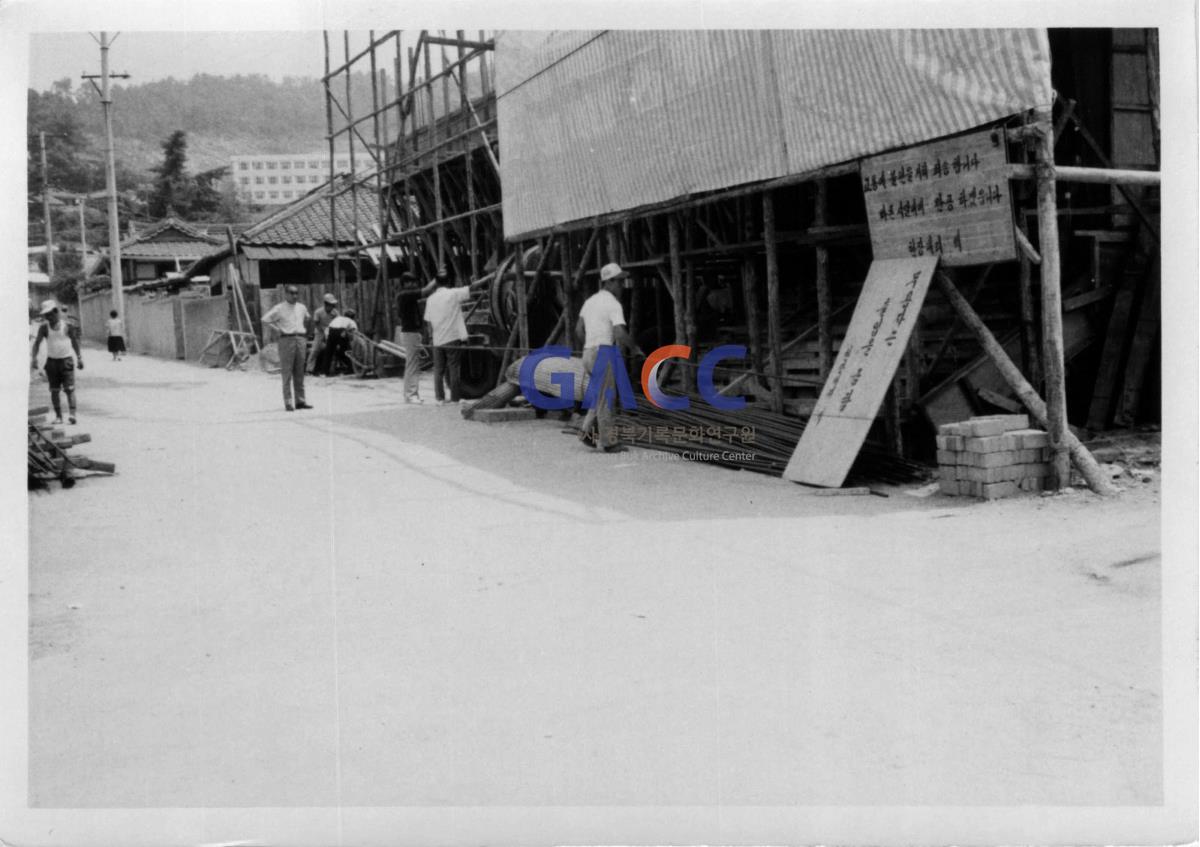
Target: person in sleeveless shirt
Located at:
point(62, 357)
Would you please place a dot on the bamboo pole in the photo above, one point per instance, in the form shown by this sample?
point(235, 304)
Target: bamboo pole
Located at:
point(1079, 454)
point(568, 291)
point(750, 286)
point(824, 296)
point(522, 311)
point(676, 279)
point(1100, 176)
point(1052, 330)
point(437, 181)
point(774, 330)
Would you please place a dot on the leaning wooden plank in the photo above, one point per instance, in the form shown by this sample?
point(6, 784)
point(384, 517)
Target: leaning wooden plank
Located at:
point(876, 338)
point(81, 438)
point(1096, 478)
point(38, 410)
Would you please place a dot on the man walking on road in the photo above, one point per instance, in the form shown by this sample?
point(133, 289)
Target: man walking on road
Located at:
point(62, 339)
point(443, 313)
point(288, 319)
point(409, 306)
point(320, 323)
point(601, 323)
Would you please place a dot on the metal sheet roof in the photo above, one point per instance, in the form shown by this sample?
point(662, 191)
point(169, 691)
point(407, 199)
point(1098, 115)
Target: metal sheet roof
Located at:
point(598, 122)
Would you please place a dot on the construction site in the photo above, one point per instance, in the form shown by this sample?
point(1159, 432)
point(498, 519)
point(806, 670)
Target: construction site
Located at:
point(900, 546)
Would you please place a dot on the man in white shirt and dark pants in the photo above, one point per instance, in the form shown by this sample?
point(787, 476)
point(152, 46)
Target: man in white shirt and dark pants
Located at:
point(602, 324)
point(448, 331)
point(290, 319)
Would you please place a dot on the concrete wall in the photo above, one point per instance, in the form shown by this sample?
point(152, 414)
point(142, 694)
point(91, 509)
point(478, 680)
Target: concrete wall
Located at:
point(197, 319)
point(150, 327)
point(93, 315)
point(170, 327)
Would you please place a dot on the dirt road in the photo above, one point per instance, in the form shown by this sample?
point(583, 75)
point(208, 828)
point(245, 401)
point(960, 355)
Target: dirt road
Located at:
point(372, 604)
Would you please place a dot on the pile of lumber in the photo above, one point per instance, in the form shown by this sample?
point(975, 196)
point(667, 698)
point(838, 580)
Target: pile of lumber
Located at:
point(47, 454)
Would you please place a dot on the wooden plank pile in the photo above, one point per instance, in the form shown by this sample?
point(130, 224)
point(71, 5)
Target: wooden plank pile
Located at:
point(992, 457)
point(47, 454)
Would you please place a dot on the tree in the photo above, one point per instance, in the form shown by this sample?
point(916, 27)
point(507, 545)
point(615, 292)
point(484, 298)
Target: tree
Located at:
point(174, 191)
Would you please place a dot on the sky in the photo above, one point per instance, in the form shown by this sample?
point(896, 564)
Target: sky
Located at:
point(150, 56)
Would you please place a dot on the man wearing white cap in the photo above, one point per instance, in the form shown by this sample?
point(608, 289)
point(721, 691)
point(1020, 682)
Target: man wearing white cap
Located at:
point(602, 323)
point(62, 356)
point(321, 321)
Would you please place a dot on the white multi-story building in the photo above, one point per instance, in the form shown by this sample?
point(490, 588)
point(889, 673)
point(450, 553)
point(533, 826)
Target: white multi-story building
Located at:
point(277, 179)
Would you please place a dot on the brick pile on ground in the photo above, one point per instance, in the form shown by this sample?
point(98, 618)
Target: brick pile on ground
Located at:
point(992, 457)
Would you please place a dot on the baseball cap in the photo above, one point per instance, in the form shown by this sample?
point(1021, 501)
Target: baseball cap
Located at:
point(611, 271)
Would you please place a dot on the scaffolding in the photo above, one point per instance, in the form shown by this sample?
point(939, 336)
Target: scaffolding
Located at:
point(432, 140)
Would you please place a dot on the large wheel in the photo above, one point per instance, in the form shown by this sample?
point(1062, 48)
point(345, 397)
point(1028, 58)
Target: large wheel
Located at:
point(544, 308)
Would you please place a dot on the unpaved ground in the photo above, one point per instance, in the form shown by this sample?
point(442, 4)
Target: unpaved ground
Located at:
point(370, 604)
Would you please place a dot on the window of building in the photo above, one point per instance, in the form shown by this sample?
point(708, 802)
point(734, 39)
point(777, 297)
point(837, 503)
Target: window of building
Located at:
point(245, 180)
point(258, 195)
point(286, 180)
point(314, 178)
point(342, 163)
point(272, 179)
point(270, 166)
point(243, 166)
point(314, 164)
point(258, 166)
point(258, 180)
point(287, 195)
point(297, 164)
point(274, 195)
point(285, 165)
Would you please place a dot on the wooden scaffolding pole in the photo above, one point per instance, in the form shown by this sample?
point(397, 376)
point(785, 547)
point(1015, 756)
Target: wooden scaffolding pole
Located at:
point(774, 330)
point(1082, 458)
point(824, 296)
point(1053, 363)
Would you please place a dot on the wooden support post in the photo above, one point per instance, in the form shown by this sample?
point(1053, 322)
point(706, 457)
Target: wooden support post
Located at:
point(1029, 336)
point(567, 281)
point(774, 330)
point(522, 308)
point(1052, 328)
point(891, 420)
point(1079, 454)
point(676, 279)
point(824, 296)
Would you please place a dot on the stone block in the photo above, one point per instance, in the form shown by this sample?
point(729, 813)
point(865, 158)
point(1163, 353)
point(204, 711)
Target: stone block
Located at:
point(991, 444)
point(950, 442)
point(996, 490)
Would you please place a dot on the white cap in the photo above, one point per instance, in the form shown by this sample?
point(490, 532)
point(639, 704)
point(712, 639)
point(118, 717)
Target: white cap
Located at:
point(48, 306)
point(329, 298)
point(611, 271)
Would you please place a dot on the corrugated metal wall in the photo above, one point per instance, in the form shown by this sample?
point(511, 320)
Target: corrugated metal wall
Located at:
point(598, 122)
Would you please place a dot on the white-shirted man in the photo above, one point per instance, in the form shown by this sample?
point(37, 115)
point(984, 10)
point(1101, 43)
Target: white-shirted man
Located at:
point(448, 331)
point(601, 323)
point(290, 319)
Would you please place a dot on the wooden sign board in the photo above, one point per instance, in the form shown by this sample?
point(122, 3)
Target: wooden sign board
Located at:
point(875, 341)
point(949, 198)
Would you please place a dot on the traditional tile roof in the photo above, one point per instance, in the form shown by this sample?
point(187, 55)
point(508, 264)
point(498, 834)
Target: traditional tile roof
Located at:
point(160, 232)
point(168, 249)
point(306, 221)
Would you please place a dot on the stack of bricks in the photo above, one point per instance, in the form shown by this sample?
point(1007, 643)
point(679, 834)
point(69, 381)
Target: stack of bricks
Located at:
point(991, 457)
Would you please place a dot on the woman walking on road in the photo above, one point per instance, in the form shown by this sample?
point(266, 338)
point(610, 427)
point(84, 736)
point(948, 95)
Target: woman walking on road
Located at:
point(116, 335)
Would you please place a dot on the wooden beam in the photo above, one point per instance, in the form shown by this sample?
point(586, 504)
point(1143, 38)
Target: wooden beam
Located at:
point(774, 329)
point(1052, 326)
point(1083, 459)
point(1100, 176)
point(824, 296)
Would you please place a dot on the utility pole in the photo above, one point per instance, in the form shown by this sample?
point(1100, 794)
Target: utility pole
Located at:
point(46, 212)
point(114, 225)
